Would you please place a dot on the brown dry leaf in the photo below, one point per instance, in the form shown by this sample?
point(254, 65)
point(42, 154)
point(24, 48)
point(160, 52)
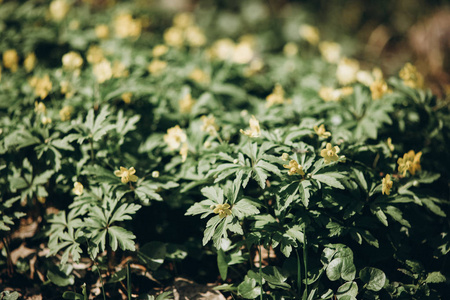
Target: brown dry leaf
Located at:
point(26, 229)
point(184, 289)
point(266, 256)
point(21, 252)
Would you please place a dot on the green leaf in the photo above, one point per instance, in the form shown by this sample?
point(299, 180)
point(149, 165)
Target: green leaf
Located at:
point(61, 277)
point(347, 289)
point(153, 254)
point(275, 278)
point(330, 179)
point(373, 278)
point(122, 237)
point(222, 263)
point(435, 277)
point(248, 289)
point(7, 295)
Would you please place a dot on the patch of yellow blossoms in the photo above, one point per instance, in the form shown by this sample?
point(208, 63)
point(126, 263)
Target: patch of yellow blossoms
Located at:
point(329, 154)
point(126, 175)
point(294, 168)
point(276, 97)
point(255, 129)
point(386, 185)
point(409, 162)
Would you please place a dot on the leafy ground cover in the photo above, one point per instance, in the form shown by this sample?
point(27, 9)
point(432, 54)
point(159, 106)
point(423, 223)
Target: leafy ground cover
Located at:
point(144, 150)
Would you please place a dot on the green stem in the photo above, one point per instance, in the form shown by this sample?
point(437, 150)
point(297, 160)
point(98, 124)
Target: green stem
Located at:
point(305, 261)
point(299, 275)
point(91, 142)
point(260, 273)
point(101, 281)
point(128, 281)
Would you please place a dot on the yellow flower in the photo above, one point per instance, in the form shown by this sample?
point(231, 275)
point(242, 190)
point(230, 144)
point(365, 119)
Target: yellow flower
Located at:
point(222, 209)
point(159, 50)
point(331, 94)
point(378, 88)
point(184, 151)
point(174, 36)
point(346, 71)
point(209, 125)
point(102, 31)
point(321, 131)
point(126, 175)
point(294, 168)
point(11, 60)
point(30, 62)
point(175, 137)
point(77, 188)
point(59, 9)
point(46, 120)
point(95, 55)
point(277, 96)
point(126, 97)
point(254, 67)
point(72, 60)
point(290, 49)
point(125, 26)
point(309, 33)
point(157, 66)
point(65, 113)
point(42, 86)
point(255, 130)
point(66, 88)
point(183, 20)
point(119, 70)
point(195, 36)
point(411, 77)
point(285, 156)
point(243, 53)
point(102, 71)
point(330, 51)
point(222, 49)
point(39, 107)
point(186, 103)
point(410, 162)
point(155, 174)
point(386, 185)
point(199, 76)
point(390, 145)
point(329, 154)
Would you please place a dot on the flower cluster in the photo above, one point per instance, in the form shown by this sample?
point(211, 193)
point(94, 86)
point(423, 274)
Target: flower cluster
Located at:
point(294, 168)
point(409, 162)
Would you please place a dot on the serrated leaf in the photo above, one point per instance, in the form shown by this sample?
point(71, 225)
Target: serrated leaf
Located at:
point(329, 179)
point(121, 237)
point(435, 277)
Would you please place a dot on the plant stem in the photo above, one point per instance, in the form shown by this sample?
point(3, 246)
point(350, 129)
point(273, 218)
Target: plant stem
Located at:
point(91, 142)
point(260, 273)
point(101, 281)
point(299, 275)
point(305, 261)
point(128, 281)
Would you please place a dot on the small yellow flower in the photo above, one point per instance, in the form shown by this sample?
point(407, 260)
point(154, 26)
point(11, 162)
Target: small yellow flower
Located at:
point(410, 162)
point(125, 26)
point(30, 62)
point(184, 151)
point(199, 76)
point(378, 88)
point(183, 20)
point(209, 125)
point(126, 174)
point(309, 33)
point(174, 36)
point(255, 130)
point(390, 145)
point(290, 49)
point(46, 120)
point(102, 71)
point(294, 168)
point(11, 60)
point(285, 156)
point(255, 66)
point(411, 77)
point(119, 70)
point(243, 53)
point(346, 71)
point(59, 9)
point(195, 36)
point(66, 88)
point(102, 31)
point(77, 188)
point(175, 137)
point(222, 209)
point(321, 131)
point(39, 107)
point(277, 96)
point(159, 50)
point(72, 61)
point(94, 55)
point(155, 174)
point(157, 66)
point(330, 51)
point(42, 86)
point(386, 185)
point(126, 97)
point(329, 154)
point(65, 113)
point(222, 49)
point(186, 103)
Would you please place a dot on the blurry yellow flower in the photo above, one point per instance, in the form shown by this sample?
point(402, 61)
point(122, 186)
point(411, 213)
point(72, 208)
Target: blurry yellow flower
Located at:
point(126, 97)
point(309, 33)
point(364, 77)
point(39, 107)
point(59, 9)
point(329, 154)
point(157, 66)
point(125, 26)
point(42, 86)
point(411, 77)
point(77, 188)
point(294, 168)
point(74, 25)
point(222, 49)
point(255, 130)
point(46, 120)
point(285, 156)
point(243, 53)
point(126, 175)
point(102, 71)
point(155, 174)
point(379, 88)
point(94, 54)
point(72, 60)
point(386, 185)
point(209, 125)
point(255, 66)
point(175, 137)
point(390, 145)
point(30, 62)
point(11, 60)
point(290, 49)
point(277, 96)
point(410, 162)
point(184, 151)
point(174, 36)
point(330, 51)
point(321, 131)
point(159, 50)
point(65, 113)
point(102, 31)
point(346, 71)
point(195, 36)
point(66, 88)
point(183, 20)
point(331, 94)
point(119, 70)
point(41, 199)
point(199, 76)
point(222, 209)
point(186, 103)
